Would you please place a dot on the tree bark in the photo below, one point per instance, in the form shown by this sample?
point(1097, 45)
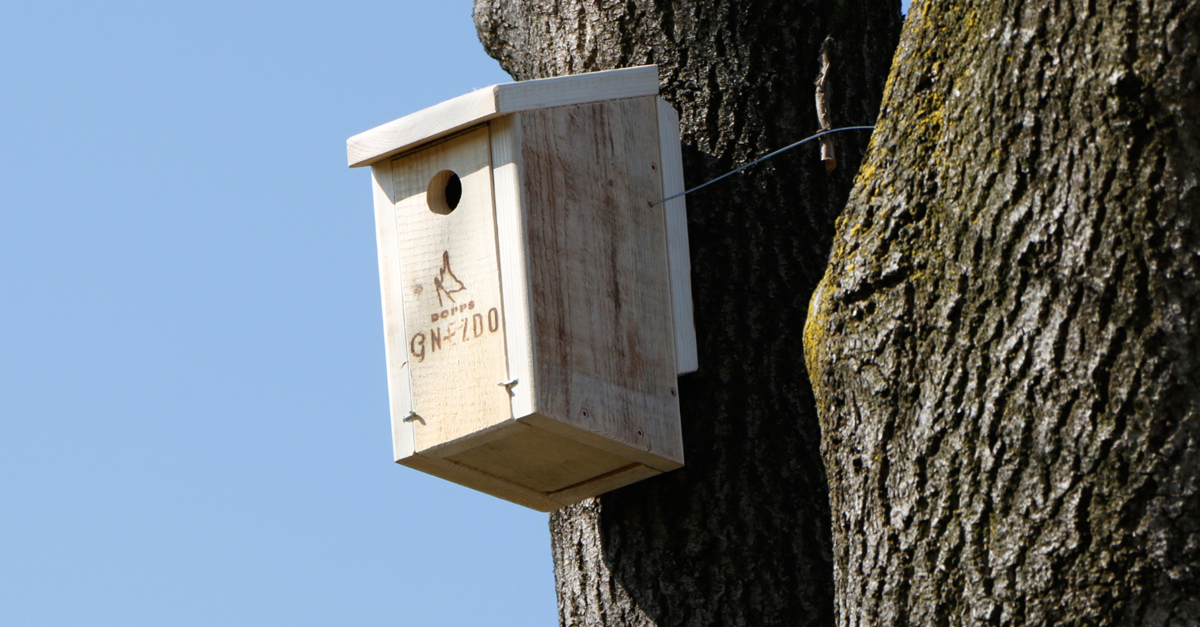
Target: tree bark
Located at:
point(740, 535)
point(1005, 349)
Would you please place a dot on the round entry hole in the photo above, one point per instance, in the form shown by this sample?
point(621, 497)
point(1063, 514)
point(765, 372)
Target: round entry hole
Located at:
point(445, 190)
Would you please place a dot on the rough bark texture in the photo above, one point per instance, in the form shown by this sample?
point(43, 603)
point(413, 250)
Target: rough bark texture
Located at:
point(740, 536)
point(1006, 346)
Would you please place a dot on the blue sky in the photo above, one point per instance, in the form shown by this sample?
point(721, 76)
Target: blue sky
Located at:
point(193, 409)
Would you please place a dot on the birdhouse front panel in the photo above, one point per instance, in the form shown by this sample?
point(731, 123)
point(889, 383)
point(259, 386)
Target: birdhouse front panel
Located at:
point(450, 278)
point(536, 297)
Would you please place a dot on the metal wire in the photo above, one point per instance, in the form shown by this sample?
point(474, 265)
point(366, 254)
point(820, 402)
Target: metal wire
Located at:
point(760, 159)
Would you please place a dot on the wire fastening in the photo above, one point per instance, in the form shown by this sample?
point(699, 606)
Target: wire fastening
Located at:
point(761, 159)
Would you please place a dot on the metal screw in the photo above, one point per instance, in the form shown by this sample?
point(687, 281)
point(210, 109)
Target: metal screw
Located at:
point(508, 385)
point(412, 415)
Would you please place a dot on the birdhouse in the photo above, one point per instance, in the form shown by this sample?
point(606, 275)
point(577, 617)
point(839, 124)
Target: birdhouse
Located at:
point(537, 306)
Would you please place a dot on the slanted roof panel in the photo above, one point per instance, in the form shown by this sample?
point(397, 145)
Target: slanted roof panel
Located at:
point(484, 104)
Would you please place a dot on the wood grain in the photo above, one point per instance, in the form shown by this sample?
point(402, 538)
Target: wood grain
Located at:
point(451, 282)
point(514, 270)
point(603, 483)
point(394, 336)
point(539, 460)
point(679, 258)
point(605, 352)
point(578, 89)
point(482, 481)
point(484, 104)
point(425, 125)
point(661, 460)
point(531, 467)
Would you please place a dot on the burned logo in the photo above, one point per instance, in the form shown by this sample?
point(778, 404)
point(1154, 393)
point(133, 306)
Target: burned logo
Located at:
point(446, 282)
point(455, 323)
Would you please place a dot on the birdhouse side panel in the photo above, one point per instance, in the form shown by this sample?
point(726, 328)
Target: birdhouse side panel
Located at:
point(598, 272)
point(679, 258)
point(450, 280)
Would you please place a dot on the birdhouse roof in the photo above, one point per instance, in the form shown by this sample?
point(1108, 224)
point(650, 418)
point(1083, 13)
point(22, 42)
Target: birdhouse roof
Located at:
point(484, 104)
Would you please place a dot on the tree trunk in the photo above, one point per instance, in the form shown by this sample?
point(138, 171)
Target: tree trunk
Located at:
point(740, 535)
point(1006, 346)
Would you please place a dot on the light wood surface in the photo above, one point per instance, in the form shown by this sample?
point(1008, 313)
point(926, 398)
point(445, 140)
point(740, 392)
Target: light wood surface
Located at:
point(668, 458)
point(532, 467)
point(450, 278)
point(678, 256)
point(603, 483)
point(539, 460)
point(476, 479)
point(442, 119)
point(598, 274)
point(482, 481)
point(577, 89)
point(514, 270)
point(479, 106)
point(399, 396)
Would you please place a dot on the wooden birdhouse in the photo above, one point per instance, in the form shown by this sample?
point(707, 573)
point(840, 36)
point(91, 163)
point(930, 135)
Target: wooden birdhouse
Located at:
point(537, 308)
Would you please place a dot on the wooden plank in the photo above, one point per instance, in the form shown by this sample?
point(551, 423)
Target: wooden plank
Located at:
point(645, 452)
point(484, 104)
point(427, 124)
point(532, 467)
point(603, 342)
point(539, 460)
point(494, 432)
point(399, 396)
point(450, 278)
point(578, 89)
point(514, 273)
point(604, 483)
point(481, 481)
point(678, 256)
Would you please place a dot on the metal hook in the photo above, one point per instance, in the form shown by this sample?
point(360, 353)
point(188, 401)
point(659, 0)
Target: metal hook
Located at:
point(412, 415)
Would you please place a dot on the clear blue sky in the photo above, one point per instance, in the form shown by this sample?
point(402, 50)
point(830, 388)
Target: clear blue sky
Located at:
point(193, 410)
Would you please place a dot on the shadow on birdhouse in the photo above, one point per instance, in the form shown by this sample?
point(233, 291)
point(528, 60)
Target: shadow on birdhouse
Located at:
point(537, 310)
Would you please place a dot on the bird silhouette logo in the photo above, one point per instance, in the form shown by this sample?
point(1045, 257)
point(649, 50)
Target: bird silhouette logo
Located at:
point(446, 282)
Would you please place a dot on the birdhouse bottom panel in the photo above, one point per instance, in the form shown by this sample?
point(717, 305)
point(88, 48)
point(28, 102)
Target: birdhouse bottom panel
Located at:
point(532, 467)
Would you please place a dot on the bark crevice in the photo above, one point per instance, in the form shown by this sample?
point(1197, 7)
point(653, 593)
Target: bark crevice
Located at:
point(1011, 420)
